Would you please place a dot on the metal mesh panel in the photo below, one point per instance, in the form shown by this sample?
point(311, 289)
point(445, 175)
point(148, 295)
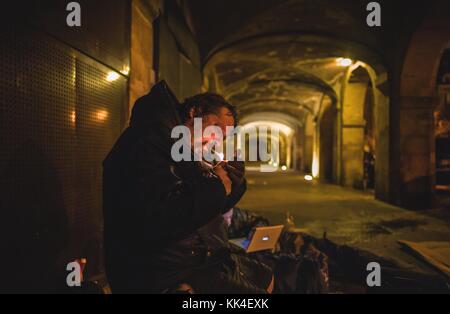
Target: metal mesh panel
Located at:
point(59, 116)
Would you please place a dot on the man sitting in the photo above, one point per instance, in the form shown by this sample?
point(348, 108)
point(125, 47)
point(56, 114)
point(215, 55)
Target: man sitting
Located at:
point(163, 223)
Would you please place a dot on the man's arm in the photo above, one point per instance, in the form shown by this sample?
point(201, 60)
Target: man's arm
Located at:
point(176, 205)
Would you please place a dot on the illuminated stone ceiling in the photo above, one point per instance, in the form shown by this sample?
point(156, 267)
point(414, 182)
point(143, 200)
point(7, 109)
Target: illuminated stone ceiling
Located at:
point(282, 56)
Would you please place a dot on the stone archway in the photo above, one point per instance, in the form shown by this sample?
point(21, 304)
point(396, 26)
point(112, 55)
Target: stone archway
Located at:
point(417, 100)
point(362, 129)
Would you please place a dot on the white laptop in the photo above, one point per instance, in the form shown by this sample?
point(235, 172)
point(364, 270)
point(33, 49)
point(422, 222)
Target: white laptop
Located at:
point(263, 238)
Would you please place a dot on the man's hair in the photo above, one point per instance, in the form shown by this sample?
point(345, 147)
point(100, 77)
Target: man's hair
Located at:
point(203, 104)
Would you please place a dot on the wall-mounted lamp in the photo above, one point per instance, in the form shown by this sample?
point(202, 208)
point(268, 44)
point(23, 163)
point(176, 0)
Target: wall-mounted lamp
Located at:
point(344, 62)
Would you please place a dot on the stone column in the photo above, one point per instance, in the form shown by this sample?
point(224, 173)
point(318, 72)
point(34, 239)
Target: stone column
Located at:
point(142, 74)
point(417, 151)
point(353, 125)
point(298, 149)
point(382, 145)
point(308, 143)
point(289, 151)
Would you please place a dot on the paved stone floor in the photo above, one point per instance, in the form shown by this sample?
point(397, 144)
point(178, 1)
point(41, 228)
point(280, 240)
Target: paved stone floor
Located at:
point(347, 216)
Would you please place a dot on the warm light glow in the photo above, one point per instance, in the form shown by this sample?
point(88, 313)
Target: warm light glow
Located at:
point(344, 62)
point(308, 177)
point(73, 117)
point(284, 168)
point(275, 164)
point(315, 166)
point(270, 124)
point(101, 115)
point(112, 76)
point(125, 70)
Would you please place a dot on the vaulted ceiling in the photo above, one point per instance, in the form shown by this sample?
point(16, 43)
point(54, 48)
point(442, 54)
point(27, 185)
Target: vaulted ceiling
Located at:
point(282, 55)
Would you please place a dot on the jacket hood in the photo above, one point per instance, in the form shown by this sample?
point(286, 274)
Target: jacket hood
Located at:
point(157, 112)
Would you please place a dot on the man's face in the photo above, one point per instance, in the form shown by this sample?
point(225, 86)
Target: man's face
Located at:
point(222, 119)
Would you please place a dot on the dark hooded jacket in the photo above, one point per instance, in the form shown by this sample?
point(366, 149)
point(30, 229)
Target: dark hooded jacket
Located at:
point(163, 219)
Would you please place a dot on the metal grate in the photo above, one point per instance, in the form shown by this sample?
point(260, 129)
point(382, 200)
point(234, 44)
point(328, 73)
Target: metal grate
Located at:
point(59, 116)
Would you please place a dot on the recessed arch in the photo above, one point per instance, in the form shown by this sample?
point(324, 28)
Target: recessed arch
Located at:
point(414, 147)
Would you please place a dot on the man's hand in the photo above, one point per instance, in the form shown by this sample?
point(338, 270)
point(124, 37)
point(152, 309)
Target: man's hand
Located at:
point(236, 172)
point(222, 174)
